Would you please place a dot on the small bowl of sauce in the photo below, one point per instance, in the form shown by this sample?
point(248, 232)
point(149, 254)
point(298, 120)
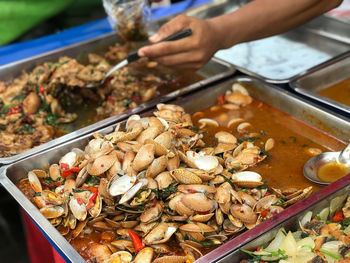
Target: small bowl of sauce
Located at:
point(332, 171)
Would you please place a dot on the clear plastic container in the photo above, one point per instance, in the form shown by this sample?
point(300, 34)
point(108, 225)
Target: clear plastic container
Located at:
point(129, 18)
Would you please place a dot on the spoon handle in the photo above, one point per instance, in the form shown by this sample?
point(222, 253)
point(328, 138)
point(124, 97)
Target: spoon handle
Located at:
point(344, 156)
point(133, 56)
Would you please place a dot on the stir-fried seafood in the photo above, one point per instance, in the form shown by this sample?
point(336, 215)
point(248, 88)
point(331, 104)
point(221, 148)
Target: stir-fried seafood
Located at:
point(32, 105)
point(157, 191)
point(324, 238)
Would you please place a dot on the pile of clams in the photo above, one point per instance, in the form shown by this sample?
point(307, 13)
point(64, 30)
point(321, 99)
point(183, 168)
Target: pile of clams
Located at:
point(156, 179)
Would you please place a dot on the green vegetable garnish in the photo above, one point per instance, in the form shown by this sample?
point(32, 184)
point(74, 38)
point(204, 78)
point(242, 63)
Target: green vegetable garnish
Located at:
point(310, 247)
point(228, 180)
point(330, 254)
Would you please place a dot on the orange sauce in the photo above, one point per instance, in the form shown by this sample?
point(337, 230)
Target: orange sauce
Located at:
point(293, 138)
point(339, 92)
point(331, 172)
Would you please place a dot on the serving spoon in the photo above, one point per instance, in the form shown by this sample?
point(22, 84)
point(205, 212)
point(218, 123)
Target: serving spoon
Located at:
point(133, 56)
point(339, 160)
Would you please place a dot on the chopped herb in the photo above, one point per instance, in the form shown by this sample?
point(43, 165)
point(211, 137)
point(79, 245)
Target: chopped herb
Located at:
point(248, 139)
point(332, 255)
point(193, 128)
point(244, 190)
point(26, 129)
point(51, 119)
point(264, 186)
point(120, 175)
point(262, 132)
point(233, 170)
point(41, 71)
point(92, 180)
point(228, 180)
point(48, 180)
point(318, 217)
point(19, 97)
point(310, 247)
point(304, 235)
point(5, 108)
point(164, 193)
point(293, 139)
point(36, 194)
point(127, 102)
point(305, 145)
point(347, 255)
point(279, 203)
point(263, 152)
point(284, 233)
point(116, 148)
point(283, 142)
point(247, 251)
point(221, 155)
point(79, 190)
point(346, 222)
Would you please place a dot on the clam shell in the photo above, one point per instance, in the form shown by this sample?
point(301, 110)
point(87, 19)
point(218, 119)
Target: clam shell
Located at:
point(225, 137)
point(52, 211)
point(78, 210)
point(131, 192)
point(34, 182)
point(160, 234)
point(197, 202)
point(198, 227)
point(102, 164)
point(184, 176)
point(144, 256)
point(164, 179)
point(120, 185)
point(69, 158)
point(244, 212)
point(247, 179)
point(54, 171)
point(157, 166)
point(170, 259)
point(144, 157)
point(120, 256)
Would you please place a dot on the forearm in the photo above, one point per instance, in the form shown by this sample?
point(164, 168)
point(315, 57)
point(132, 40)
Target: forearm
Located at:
point(263, 18)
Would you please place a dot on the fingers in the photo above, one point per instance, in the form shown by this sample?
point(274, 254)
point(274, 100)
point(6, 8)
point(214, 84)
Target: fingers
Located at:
point(166, 48)
point(173, 26)
point(194, 60)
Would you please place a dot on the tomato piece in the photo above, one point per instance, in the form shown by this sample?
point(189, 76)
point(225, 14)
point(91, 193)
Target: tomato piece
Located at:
point(339, 216)
point(42, 89)
point(221, 99)
point(13, 110)
point(263, 213)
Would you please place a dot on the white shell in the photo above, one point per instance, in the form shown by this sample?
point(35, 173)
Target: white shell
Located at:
point(69, 159)
point(133, 117)
point(247, 176)
point(121, 185)
point(202, 160)
point(94, 145)
point(208, 121)
point(164, 122)
point(236, 87)
point(130, 194)
point(79, 211)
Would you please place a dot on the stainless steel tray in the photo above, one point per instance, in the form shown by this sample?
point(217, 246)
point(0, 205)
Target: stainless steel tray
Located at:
point(290, 218)
point(214, 70)
point(279, 58)
point(274, 96)
point(322, 77)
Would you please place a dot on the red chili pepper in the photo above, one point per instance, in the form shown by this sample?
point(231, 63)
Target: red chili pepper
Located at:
point(110, 99)
point(57, 183)
point(13, 110)
point(136, 240)
point(258, 248)
point(91, 202)
point(221, 99)
point(93, 189)
point(267, 193)
point(42, 89)
point(154, 202)
point(64, 166)
point(80, 202)
point(263, 213)
point(339, 216)
point(65, 173)
point(204, 213)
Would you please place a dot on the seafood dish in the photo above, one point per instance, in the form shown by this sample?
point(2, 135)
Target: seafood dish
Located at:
point(169, 187)
point(322, 237)
point(37, 106)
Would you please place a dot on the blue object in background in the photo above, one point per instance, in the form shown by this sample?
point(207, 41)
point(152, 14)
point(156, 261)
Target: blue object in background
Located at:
point(19, 51)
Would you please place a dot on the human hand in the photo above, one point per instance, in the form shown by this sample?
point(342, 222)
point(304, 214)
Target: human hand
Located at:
point(190, 52)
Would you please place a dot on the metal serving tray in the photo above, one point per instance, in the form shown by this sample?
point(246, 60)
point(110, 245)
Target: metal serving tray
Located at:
point(322, 77)
point(274, 96)
point(213, 71)
point(289, 219)
point(278, 59)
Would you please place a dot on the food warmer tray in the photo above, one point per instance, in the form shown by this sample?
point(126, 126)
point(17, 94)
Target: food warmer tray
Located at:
point(278, 59)
point(213, 71)
point(289, 220)
point(324, 76)
point(274, 96)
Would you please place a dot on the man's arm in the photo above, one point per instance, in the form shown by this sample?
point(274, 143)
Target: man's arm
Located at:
point(255, 20)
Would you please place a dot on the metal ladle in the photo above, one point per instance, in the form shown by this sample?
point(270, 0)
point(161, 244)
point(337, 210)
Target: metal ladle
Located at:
point(312, 166)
